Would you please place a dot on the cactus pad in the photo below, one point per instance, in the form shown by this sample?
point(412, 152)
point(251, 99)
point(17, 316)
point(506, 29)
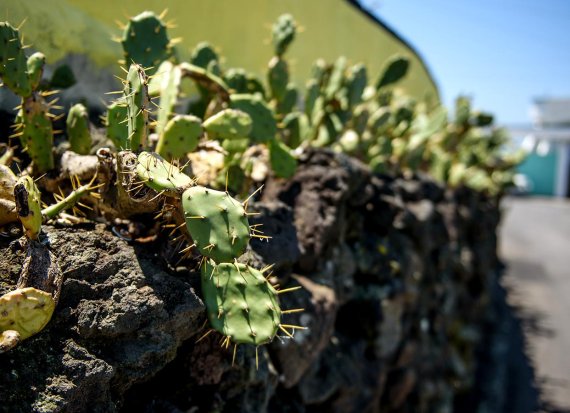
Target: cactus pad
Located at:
point(37, 132)
point(203, 54)
point(356, 83)
point(25, 311)
point(241, 304)
point(166, 83)
point(278, 77)
point(394, 70)
point(228, 124)
point(283, 33)
point(145, 41)
point(180, 136)
point(239, 81)
point(264, 126)
point(137, 99)
point(282, 162)
point(13, 64)
point(28, 205)
point(35, 65)
point(117, 129)
point(159, 174)
point(217, 223)
point(289, 100)
point(78, 129)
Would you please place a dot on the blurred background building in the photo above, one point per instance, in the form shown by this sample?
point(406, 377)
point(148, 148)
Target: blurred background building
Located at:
point(547, 168)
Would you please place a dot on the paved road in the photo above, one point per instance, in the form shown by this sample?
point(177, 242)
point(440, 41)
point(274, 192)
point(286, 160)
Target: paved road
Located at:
point(535, 243)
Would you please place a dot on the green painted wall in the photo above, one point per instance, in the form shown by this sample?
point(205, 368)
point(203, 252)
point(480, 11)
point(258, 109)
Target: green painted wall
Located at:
point(541, 172)
point(240, 29)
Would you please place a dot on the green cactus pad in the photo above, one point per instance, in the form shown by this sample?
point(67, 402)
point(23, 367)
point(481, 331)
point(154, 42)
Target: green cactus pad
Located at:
point(289, 100)
point(13, 63)
point(356, 83)
point(283, 33)
point(159, 174)
point(264, 126)
point(145, 41)
point(217, 223)
point(78, 129)
point(234, 146)
point(37, 132)
point(337, 77)
point(166, 83)
point(379, 121)
point(203, 54)
point(25, 311)
point(35, 65)
point(312, 94)
point(240, 303)
point(180, 136)
point(206, 80)
point(278, 77)
point(295, 128)
point(283, 162)
point(394, 70)
point(117, 129)
point(242, 82)
point(228, 124)
point(28, 205)
point(137, 99)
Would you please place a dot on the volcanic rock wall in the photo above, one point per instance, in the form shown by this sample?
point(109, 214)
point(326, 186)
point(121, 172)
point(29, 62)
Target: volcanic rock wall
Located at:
point(396, 274)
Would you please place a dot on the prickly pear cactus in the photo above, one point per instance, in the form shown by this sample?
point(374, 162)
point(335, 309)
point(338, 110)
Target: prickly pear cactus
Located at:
point(295, 128)
point(78, 129)
point(203, 55)
point(137, 100)
point(394, 70)
point(278, 77)
point(228, 124)
point(117, 129)
point(35, 130)
point(283, 33)
point(283, 162)
point(166, 83)
point(217, 223)
point(145, 41)
point(242, 82)
point(23, 313)
point(264, 126)
point(28, 205)
point(356, 83)
point(159, 174)
point(13, 62)
point(240, 303)
point(35, 66)
point(180, 136)
point(288, 101)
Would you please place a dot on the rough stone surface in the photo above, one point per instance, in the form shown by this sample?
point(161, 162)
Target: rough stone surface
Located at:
point(396, 275)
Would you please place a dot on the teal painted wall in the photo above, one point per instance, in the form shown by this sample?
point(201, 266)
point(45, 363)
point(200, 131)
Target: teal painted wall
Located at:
point(541, 172)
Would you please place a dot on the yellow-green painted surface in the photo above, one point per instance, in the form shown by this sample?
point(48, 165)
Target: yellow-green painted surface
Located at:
point(240, 29)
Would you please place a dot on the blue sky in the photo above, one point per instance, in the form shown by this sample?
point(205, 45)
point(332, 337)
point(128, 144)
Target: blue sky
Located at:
point(503, 53)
